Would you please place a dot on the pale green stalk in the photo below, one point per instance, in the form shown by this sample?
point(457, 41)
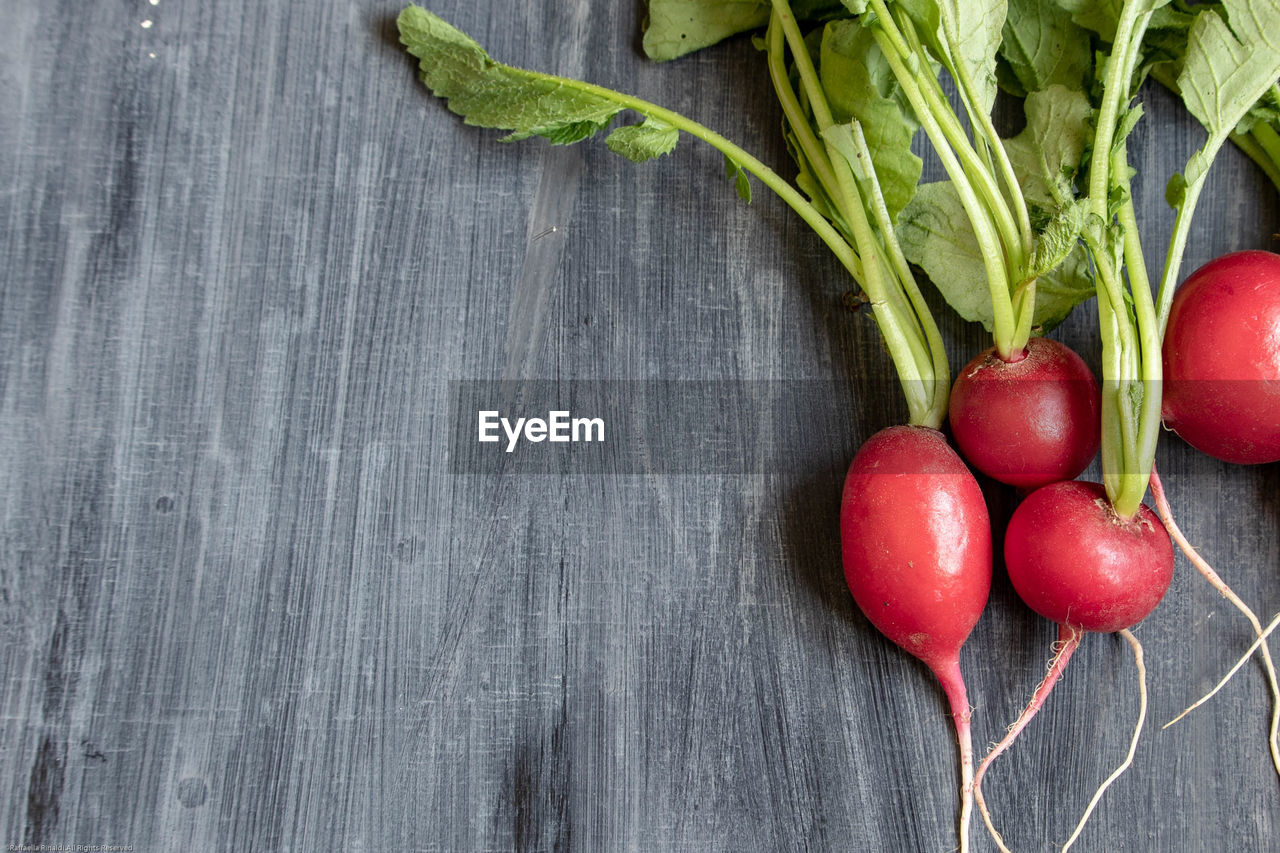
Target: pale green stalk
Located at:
point(814, 150)
point(981, 121)
point(977, 168)
point(848, 195)
point(915, 366)
point(924, 316)
point(990, 245)
point(1269, 141)
point(1127, 356)
point(1182, 229)
point(767, 176)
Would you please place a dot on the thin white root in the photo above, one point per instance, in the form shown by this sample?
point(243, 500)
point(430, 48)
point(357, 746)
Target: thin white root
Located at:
point(1063, 648)
point(991, 827)
point(1133, 744)
point(1166, 515)
point(1262, 636)
point(966, 791)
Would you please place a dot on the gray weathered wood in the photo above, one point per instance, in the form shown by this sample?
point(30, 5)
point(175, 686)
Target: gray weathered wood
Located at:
point(246, 605)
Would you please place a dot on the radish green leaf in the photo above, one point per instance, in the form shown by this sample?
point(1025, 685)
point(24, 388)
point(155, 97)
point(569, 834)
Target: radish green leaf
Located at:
point(1043, 47)
point(860, 85)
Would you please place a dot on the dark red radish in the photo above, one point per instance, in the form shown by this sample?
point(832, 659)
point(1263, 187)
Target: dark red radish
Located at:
point(1028, 422)
point(1074, 560)
point(916, 543)
point(1222, 359)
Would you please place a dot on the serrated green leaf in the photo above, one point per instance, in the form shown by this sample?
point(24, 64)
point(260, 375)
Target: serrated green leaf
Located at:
point(1041, 47)
point(1048, 154)
point(489, 94)
point(860, 85)
point(936, 236)
point(1165, 47)
point(974, 27)
point(1231, 62)
point(1059, 238)
point(644, 141)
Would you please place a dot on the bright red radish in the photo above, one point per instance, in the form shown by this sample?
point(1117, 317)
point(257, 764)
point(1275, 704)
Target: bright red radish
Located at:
point(917, 557)
point(917, 542)
point(1029, 422)
point(1222, 359)
point(1074, 560)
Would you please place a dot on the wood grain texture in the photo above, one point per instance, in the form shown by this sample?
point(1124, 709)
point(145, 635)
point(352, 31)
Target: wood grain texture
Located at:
point(245, 605)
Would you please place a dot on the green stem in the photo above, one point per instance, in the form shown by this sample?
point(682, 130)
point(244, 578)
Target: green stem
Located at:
point(1269, 141)
point(896, 339)
point(1115, 331)
point(804, 63)
point(837, 182)
point(897, 321)
point(894, 47)
point(794, 114)
point(1266, 138)
point(1182, 229)
point(790, 195)
point(981, 121)
point(1147, 433)
point(940, 369)
point(845, 191)
point(840, 183)
point(1117, 87)
point(976, 165)
point(1024, 307)
point(1128, 356)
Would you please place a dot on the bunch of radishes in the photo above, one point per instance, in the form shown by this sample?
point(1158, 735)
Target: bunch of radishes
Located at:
point(1091, 557)
point(916, 535)
point(916, 540)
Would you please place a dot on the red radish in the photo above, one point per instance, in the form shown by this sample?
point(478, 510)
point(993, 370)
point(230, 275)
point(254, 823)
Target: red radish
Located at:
point(917, 557)
point(1222, 359)
point(1028, 422)
point(1074, 560)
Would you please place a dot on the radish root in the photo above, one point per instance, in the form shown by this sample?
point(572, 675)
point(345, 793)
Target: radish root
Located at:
point(1262, 636)
point(1133, 744)
point(1166, 515)
point(1068, 641)
point(962, 715)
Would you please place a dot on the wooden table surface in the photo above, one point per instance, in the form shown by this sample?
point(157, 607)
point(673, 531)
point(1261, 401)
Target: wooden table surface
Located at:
point(248, 603)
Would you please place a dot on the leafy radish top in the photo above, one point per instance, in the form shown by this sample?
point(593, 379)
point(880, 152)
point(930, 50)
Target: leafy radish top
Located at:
point(841, 193)
point(1024, 229)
